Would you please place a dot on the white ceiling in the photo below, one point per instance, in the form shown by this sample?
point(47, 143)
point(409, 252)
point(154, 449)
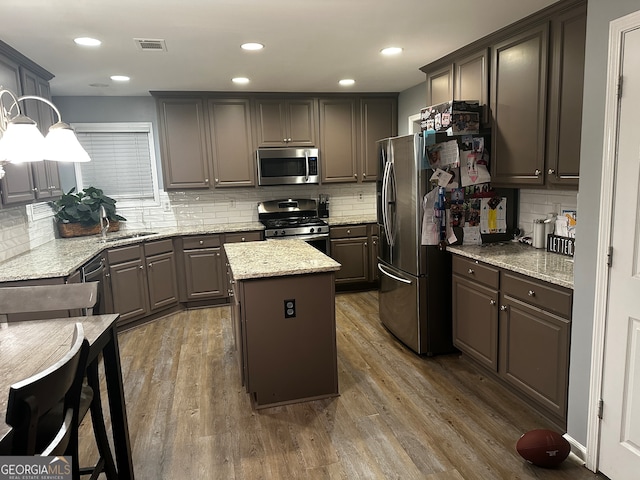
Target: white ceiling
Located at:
point(310, 44)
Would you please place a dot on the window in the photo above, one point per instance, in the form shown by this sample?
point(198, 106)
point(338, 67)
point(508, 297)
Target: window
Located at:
point(122, 161)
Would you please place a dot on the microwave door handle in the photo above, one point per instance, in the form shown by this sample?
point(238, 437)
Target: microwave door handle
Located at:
point(306, 166)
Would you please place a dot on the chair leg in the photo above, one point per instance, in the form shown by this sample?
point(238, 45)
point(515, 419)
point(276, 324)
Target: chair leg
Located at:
point(99, 429)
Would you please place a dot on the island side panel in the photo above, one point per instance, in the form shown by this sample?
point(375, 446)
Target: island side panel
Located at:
point(290, 359)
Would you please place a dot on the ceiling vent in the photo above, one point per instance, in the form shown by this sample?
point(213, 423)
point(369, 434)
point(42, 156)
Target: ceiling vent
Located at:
point(148, 45)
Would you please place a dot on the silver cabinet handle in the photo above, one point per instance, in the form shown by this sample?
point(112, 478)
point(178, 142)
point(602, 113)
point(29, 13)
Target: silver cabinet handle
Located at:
point(492, 302)
point(217, 180)
point(531, 293)
point(150, 265)
point(355, 175)
point(243, 239)
point(364, 175)
point(471, 272)
point(537, 172)
point(503, 308)
point(206, 180)
point(551, 171)
point(201, 242)
point(141, 267)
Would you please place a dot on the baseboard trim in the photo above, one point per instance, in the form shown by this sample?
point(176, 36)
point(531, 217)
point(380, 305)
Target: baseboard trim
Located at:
point(577, 448)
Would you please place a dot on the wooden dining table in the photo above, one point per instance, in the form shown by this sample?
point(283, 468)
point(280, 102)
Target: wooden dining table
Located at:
point(28, 347)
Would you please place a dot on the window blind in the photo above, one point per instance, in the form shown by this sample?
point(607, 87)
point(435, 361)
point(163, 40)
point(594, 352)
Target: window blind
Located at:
point(120, 164)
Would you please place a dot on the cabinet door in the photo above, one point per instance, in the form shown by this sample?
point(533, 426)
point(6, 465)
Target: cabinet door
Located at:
point(568, 34)
point(472, 79)
point(162, 280)
point(475, 321)
point(271, 123)
point(534, 353)
point(440, 85)
point(518, 104)
point(231, 142)
point(378, 119)
point(183, 137)
point(301, 122)
point(17, 184)
point(46, 178)
point(338, 140)
point(353, 255)
point(204, 271)
point(129, 289)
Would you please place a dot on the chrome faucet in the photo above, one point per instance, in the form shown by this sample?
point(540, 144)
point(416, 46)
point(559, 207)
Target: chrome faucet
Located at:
point(104, 223)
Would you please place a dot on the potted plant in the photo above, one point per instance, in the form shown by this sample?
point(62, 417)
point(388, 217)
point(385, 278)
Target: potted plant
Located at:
point(78, 213)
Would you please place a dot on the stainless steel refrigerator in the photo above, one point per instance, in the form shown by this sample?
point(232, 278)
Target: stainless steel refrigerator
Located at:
point(415, 280)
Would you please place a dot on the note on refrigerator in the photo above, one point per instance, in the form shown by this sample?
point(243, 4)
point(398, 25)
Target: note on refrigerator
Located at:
point(493, 215)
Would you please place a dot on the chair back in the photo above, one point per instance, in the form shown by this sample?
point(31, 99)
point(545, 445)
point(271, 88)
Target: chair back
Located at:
point(48, 298)
point(32, 400)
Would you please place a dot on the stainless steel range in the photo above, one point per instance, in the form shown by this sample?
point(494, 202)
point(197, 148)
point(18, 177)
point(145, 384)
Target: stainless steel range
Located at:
point(294, 218)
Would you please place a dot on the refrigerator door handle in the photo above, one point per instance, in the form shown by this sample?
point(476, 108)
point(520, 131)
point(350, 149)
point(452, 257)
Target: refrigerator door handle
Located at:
point(395, 277)
point(385, 211)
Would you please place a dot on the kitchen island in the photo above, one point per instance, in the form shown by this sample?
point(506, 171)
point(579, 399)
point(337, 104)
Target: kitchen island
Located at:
point(283, 316)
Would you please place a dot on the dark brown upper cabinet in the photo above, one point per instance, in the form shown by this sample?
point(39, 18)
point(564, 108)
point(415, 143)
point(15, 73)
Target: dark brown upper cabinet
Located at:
point(440, 85)
point(286, 122)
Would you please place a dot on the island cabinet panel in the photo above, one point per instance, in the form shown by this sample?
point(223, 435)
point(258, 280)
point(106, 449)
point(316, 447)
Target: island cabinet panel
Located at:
point(290, 351)
point(185, 158)
point(232, 146)
point(518, 328)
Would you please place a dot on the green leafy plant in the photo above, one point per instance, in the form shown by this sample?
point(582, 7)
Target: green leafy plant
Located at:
point(84, 207)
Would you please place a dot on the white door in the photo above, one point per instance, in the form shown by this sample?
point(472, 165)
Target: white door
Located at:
point(620, 425)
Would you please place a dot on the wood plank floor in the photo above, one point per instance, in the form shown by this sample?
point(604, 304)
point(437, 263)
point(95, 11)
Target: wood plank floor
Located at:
point(398, 416)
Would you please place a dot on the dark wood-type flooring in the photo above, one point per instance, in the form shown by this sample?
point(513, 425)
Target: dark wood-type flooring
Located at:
point(398, 416)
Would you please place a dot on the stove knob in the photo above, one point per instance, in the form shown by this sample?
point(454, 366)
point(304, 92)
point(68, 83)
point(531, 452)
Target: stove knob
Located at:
point(312, 230)
point(275, 233)
point(319, 229)
point(282, 232)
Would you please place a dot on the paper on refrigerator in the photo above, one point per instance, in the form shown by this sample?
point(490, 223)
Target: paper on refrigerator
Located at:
point(430, 223)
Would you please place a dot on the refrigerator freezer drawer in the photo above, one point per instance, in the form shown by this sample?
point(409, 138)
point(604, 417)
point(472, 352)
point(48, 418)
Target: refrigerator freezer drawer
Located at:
point(399, 311)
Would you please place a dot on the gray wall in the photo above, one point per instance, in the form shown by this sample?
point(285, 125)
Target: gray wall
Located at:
point(409, 103)
point(600, 13)
point(107, 110)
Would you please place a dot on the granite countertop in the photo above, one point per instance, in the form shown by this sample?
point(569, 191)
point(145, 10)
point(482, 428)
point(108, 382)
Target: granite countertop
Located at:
point(351, 220)
point(276, 258)
point(63, 256)
point(521, 258)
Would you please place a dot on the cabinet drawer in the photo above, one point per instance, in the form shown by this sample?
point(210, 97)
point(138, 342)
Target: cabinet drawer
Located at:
point(157, 247)
point(124, 254)
point(242, 237)
point(347, 232)
point(543, 295)
point(474, 270)
point(201, 241)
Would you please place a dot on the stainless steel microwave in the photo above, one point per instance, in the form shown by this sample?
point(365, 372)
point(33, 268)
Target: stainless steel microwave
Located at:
point(288, 166)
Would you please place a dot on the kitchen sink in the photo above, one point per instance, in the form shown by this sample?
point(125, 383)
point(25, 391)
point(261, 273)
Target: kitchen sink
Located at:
point(128, 236)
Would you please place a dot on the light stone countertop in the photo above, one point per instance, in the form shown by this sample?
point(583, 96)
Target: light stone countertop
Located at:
point(276, 258)
point(351, 220)
point(63, 256)
point(521, 258)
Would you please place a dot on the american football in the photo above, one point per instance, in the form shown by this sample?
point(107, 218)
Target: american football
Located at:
point(544, 448)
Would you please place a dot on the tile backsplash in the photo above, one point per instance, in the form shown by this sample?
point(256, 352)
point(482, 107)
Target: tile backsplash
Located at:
point(190, 207)
point(538, 203)
point(238, 205)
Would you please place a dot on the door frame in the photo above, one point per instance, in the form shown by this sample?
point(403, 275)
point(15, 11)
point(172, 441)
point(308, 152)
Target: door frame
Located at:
point(607, 190)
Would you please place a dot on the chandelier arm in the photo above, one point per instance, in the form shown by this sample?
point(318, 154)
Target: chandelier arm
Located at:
point(5, 115)
point(42, 99)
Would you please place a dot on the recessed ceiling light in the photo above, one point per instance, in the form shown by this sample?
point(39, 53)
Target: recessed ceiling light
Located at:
point(240, 80)
point(87, 41)
point(391, 51)
point(120, 78)
point(252, 46)
point(347, 82)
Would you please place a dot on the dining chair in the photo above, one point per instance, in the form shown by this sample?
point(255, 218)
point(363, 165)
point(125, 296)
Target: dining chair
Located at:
point(70, 296)
point(39, 425)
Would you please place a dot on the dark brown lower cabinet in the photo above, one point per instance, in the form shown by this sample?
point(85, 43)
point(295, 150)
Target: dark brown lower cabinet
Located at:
point(143, 279)
point(355, 247)
point(517, 327)
point(203, 268)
